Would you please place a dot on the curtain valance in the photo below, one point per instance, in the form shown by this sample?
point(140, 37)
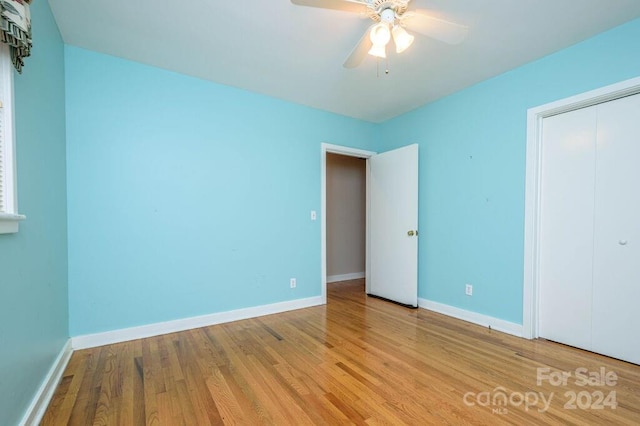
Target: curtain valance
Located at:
point(15, 29)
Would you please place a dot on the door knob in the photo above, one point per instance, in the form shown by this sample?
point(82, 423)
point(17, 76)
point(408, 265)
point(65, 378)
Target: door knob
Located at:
point(622, 242)
point(412, 233)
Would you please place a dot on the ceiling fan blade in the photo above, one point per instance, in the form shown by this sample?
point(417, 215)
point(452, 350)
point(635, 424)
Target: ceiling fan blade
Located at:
point(420, 22)
point(354, 6)
point(360, 51)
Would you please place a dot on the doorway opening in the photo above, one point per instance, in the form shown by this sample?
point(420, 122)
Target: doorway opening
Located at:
point(344, 220)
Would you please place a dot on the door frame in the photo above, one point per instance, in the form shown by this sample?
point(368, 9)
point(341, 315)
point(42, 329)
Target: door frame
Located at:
point(535, 117)
point(326, 148)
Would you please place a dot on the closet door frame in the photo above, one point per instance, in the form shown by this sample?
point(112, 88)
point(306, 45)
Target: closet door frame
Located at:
point(535, 116)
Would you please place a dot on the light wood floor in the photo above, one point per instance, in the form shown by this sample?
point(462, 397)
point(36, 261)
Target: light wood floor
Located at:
point(357, 360)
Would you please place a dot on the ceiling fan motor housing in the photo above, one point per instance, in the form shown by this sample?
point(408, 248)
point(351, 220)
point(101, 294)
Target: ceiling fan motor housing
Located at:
point(388, 16)
point(387, 10)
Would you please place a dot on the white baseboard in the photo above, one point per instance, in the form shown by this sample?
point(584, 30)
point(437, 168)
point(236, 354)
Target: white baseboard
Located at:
point(43, 396)
point(345, 277)
point(473, 317)
point(150, 330)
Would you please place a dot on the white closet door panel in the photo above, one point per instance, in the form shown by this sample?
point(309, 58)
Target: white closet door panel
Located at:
point(616, 291)
point(566, 227)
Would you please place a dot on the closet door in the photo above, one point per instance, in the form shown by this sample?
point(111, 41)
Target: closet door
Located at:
point(566, 227)
point(616, 268)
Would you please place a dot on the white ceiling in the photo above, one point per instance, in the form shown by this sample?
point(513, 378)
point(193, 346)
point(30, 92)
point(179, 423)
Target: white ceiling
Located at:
point(296, 53)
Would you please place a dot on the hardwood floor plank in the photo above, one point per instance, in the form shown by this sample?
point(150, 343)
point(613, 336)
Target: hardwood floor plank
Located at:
point(244, 398)
point(357, 360)
point(81, 403)
point(127, 383)
point(104, 411)
point(149, 373)
point(249, 381)
point(165, 413)
point(139, 406)
point(228, 404)
point(345, 409)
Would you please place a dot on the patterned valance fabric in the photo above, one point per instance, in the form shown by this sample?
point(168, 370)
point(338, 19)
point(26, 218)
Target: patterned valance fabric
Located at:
point(15, 29)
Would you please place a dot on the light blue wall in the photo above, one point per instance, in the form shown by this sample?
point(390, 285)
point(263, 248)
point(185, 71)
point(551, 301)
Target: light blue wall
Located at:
point(33, 262)
point(472, 169)
point(188, 197)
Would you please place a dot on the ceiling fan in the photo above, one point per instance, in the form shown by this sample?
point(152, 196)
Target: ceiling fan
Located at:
point(391, 17)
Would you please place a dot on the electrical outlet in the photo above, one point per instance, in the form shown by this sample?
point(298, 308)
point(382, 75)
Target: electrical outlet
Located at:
point(468, 290)
point(292, 283)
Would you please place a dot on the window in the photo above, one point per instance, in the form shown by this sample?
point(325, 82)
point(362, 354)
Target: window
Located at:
point(9, 216)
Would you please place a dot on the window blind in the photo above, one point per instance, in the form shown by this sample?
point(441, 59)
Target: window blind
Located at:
point(3, 169)
point(5, 155)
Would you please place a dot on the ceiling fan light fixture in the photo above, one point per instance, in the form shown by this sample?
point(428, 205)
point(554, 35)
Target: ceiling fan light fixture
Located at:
point(378, 50)
point(401, 38)
point(380, 34)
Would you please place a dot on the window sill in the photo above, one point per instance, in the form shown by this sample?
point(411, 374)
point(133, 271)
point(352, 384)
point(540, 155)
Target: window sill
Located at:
point(9, 222)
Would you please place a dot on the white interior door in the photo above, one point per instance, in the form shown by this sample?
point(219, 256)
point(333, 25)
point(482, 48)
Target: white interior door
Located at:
point(566, 227)
point(616, 267)
point(393, 215)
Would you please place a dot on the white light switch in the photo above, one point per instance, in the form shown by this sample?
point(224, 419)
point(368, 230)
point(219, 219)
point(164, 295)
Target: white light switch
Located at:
point(313, 215)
